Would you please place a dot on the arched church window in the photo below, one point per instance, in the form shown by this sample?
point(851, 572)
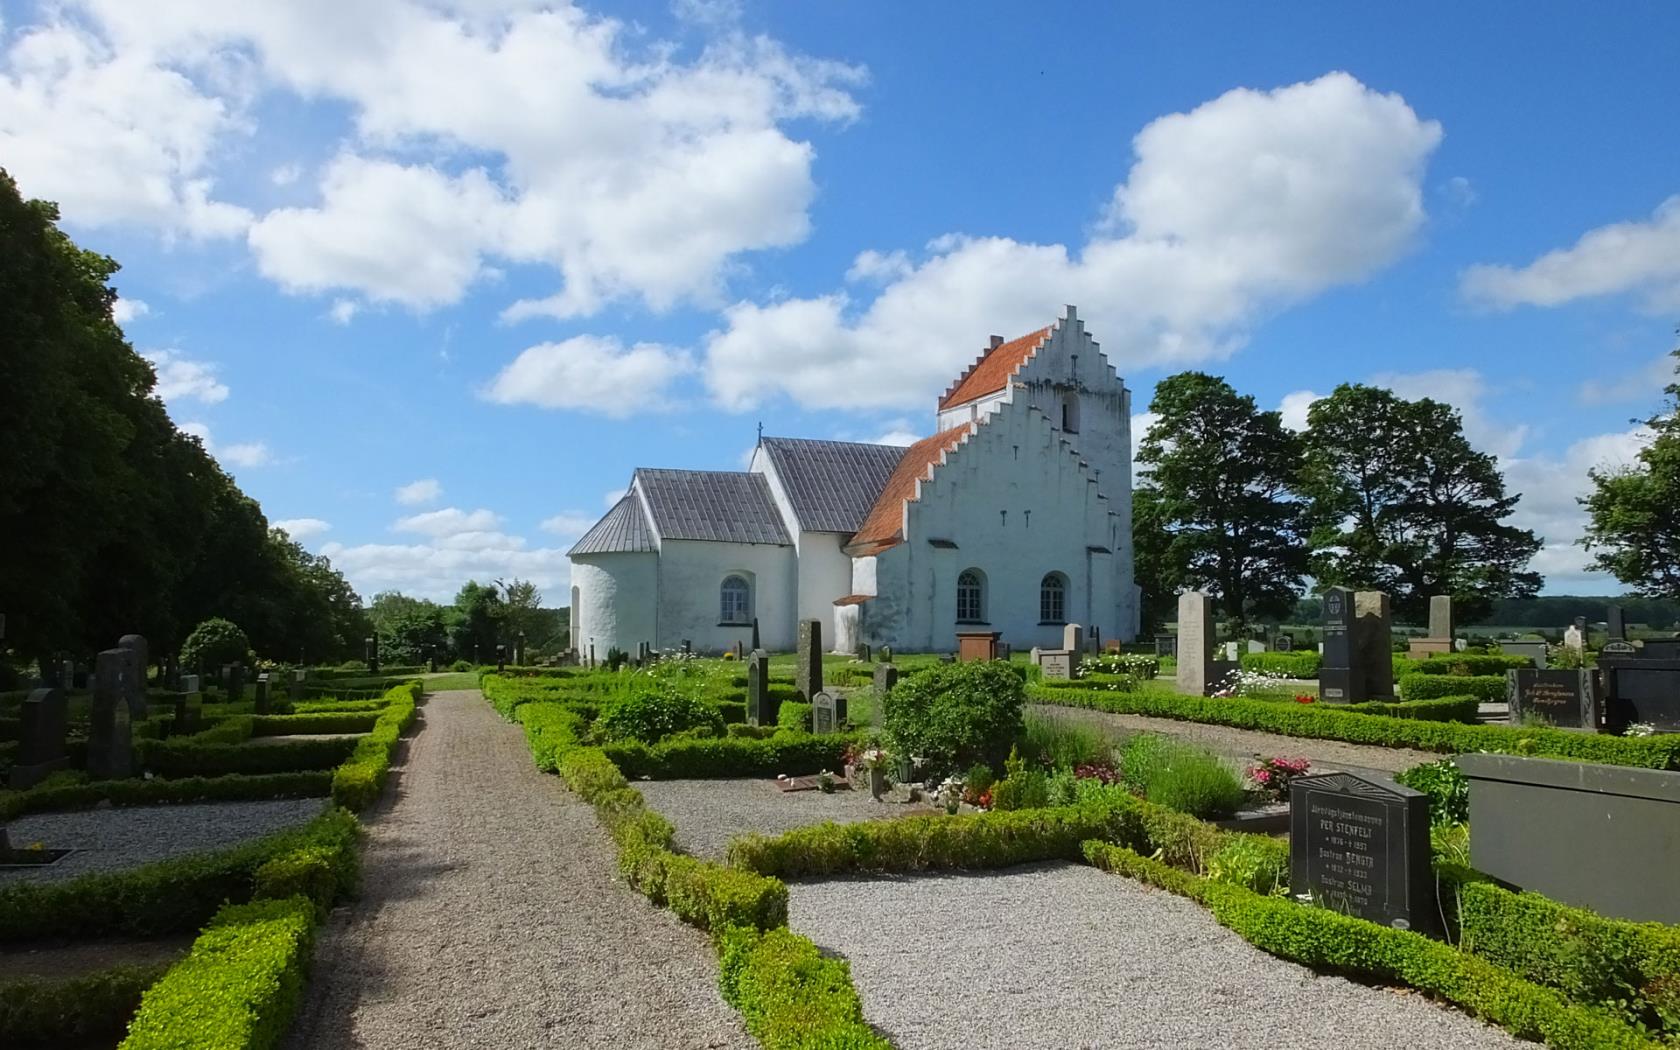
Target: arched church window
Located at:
point(1052, 598)
point(736, 600)
point(971, 597)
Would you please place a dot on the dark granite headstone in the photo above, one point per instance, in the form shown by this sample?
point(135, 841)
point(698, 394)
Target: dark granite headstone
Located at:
point(1361, 847)
point(519, 651)
point(1614, 621)
point(1166, 645)
point(1336, 684)
point(1641, 691)
point(807, 668)
point(370, 649)
point(828, 713)
point(501, 657)
point(761, 708)
point(189, 712)
point(67, 675)
point(755, 644)
point(1285, 643)
point(1618, 647)
point(885, 677)
point(864, 653)
point(190, 683)
point(137, 687)
point(110, 729)
point(45, 719)
point(262, 698)
point(1535, 651)
point(1373, 647)
point(432, 659)
point(236, 682)
point(1567, 699)
point(1661, 649)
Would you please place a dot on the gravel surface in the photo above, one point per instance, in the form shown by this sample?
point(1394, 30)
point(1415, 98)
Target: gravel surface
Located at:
point(708, 813)
point(1244, 744)
point(492, 916)
point(1064, 956)
point(129, 836)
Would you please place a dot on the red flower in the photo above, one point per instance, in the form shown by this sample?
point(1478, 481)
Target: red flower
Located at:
point(1303, 698)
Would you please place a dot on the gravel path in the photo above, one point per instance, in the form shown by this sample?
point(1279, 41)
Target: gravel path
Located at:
point(129, 836)
point(1244, 744)
point(1064, 956)
point(492, 916)
point(708, 813)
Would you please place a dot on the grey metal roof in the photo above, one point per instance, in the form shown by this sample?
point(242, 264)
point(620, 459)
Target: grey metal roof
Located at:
point(832, 484)
point(728, 506)
point(624, 528)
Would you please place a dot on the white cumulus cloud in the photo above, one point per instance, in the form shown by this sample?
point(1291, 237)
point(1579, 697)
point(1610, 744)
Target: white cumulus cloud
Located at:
point(590, 373)
point(568, 523)
point(1246, 204)
point(418, 493)
point(181, 378)
point(1294, 407)
point(125, 310)
point(1550, 487)
point(246, 454)
point(1639, 258)
point(301, 529)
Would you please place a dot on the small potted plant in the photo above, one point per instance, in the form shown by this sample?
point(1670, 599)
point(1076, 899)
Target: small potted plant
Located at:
point(825, 782)
point(873, 761)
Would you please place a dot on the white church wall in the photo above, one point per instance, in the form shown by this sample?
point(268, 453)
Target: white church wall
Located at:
point(972, 411)
point(616, 596)
point(825, 573)
point(1017, 505)
point(691, 575)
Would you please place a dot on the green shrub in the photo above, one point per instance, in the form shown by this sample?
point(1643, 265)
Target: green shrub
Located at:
point(170, 896)
point(1060, 742)
point(590, 773)
point(213, 643)
point(48, 797)
point(358, 782)
point(1471, 664)
point(1466, 709)
point(794, 715)
point(239, 986)
point(88, 1010)
point(1180, 776)
point(1290, 665)
point(656, 712)
point(1627, 968)
point(187, 757)
point(953, 715)
point(1329, 941)
point(791, 996)
point(551, 729)
point(1489, 689)
point(1021, 788)
point(314, 722)
point(1131, 665)
point(710, 758)
point(324, 873)
point(1327, 723)
point(1253, 862)
point(1447, 787)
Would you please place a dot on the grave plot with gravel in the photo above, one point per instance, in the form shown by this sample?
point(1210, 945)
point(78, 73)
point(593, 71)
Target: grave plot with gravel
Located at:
point(1060, 955)
point(709, 813)
point(130, 836)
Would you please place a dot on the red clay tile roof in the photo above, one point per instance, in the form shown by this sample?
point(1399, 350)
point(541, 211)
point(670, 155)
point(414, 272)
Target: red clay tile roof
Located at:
point(885, 524)
point(991, 373)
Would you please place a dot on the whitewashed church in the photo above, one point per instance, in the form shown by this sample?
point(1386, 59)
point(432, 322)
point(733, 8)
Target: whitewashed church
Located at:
point(1014, 517)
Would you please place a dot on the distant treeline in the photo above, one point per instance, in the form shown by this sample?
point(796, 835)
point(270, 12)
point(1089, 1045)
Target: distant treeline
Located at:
point(1550, 611)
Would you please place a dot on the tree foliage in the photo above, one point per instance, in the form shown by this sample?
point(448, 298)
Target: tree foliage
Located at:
point(1401, 502)
point(213, 643)
point(111, 519)
point(1633, 530)
point(1215, 486)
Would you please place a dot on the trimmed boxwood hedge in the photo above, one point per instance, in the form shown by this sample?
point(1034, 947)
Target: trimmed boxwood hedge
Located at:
point(1487, 689)
point(1327, 723)
point(794, 715)
point(713, 757)
point(228, 788)
point(791, 996)
point(1466, 709)
point(91, 1009)
point(197, 756)
point(316, 722)
point(1331, 942)
point(357, 783)
point(239, 986)
point(1471, 664)
point(1303, 664)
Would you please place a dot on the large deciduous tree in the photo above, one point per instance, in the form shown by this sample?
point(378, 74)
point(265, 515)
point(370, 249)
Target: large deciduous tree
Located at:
point(1400, 501)
point(1215, 477)
point(1633, 530)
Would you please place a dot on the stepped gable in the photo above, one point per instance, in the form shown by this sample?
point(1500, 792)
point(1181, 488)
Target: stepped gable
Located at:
point(991, 372)
point(885, 524)
point(832, 485)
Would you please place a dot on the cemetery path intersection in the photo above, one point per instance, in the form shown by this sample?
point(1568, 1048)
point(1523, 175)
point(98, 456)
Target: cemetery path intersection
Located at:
point(491, 915)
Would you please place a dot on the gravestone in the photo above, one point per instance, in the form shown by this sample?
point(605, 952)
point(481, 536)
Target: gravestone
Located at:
point(44, 720)
point(1440, 617)
point(807, 668)
point(236, 682)
point(1166, 645)
point(262, 694)
point(739, 651)
point(519, 651)
point(189, 683)
point(1640, 690)
point(761, 709)
point(864, 652)
point(137, 688)
point(886, 676)
point(1233, 652)
point(1535, 651)
point(1618, 647)
point(189, 711)
point(1285, 643)
point(501, 657)
point(1055, 664)
point(828, 713)
point(1255, 646)
point(1073, 638)
point(1195, 644)
point(1373, 650)
point(755, 644)
point(1661, 649)
point(1339, 682)
point(370, 649)
point(1574, 637)
point(1361, 847)
point(110, 729)
point(432, 660)
point(1614, 622)
point(1567, 699)
point(67, 675)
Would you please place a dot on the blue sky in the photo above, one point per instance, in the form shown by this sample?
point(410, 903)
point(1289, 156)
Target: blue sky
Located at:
point(432, 278)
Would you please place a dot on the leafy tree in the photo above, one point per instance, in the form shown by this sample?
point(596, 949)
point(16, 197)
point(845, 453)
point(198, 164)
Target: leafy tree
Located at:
point(1219, 472)
point(408, 628)
point(1402, 502)
point(475, 621)
point(213, 643)
point(522, 612)
point(1633, 530)
point(1159, 577)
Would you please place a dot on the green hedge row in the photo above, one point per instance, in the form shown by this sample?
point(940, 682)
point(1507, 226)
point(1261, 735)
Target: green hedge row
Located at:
point(1290, 665)
point(239, 986)
point(314, 722)
point(794, 715)
point(1471, 664)
point(229, 788)
point(1487, 688)
point(1466, 709)
point(1629, 968)
point(1326, 723)
point(181, 894)
point(1329, 941)
point(1114, 683)
point(791, 996)
point(189, 757)
point(37, 1015)
point(716, 757)
point(357, 783)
